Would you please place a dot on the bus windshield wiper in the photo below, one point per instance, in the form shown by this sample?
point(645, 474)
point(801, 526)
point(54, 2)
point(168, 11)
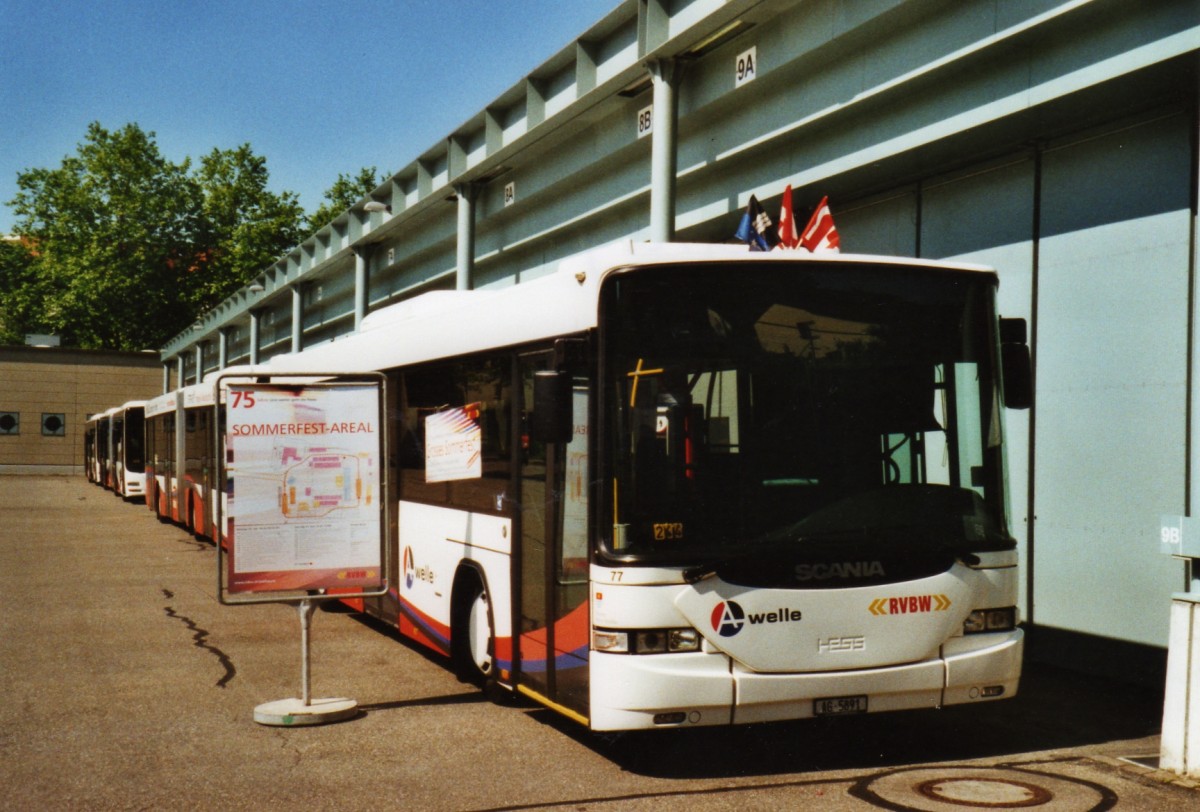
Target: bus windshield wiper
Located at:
point(698, 573)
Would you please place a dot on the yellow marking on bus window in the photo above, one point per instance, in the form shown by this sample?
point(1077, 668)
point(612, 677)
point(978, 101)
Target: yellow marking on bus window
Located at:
point(552, 705)
point(637, 375)
point(668, 531)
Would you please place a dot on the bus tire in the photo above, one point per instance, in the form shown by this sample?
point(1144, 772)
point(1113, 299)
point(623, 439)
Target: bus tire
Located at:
point(159, 505)
point(189, 515)
point(472, 631)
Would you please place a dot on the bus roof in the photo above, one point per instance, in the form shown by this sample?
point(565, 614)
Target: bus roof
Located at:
point(444, 324)
point(161, 404)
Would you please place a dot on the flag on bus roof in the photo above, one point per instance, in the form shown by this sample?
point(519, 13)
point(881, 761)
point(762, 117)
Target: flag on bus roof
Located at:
point(788, 238)
point(821, 234)
point(756, 227)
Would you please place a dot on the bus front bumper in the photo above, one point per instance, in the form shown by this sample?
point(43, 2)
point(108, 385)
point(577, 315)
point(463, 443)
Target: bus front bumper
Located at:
point(682, 690)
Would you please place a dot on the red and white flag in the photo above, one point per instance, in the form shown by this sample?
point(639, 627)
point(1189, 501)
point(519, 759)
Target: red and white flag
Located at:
point(820, 234)
point(788, 237)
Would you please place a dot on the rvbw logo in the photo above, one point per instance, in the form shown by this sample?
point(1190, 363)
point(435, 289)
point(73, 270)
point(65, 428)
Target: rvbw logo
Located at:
point(728, 618)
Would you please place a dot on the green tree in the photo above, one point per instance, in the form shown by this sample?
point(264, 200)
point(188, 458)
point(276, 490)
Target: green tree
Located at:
point(21, 293)
point(345, 192)
point(115, 229)
point(129, 247)
point(246, 227)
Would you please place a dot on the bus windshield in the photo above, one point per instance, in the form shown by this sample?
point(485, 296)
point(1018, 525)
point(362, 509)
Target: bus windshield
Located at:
point(798, 407)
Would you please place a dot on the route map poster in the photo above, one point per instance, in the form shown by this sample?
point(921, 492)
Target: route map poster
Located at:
point(302, 475)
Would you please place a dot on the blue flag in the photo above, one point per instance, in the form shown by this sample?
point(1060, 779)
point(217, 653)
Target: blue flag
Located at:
point(756, 227)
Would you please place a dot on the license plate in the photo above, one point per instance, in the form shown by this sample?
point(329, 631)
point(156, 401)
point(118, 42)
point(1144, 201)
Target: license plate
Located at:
point(839, 705)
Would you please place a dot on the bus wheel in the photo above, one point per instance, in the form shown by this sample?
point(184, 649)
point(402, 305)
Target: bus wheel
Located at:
point(479, 635)
point(471, 632)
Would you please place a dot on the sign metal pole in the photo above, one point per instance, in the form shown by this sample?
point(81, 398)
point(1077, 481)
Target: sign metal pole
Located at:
point(302, 468)
point(304, 710)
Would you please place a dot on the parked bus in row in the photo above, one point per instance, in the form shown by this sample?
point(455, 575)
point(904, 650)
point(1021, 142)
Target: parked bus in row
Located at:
point(103, 449)
point(126, 449)
point(91, 449)
point(180, 467)
point(703, 486)
point(113, 449)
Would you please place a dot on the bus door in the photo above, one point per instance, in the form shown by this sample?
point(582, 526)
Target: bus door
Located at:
point(118, 454)
point(105, 452)
point(552, 567)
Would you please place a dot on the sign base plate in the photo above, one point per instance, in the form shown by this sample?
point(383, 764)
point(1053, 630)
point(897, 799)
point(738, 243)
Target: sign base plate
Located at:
point(294, 713)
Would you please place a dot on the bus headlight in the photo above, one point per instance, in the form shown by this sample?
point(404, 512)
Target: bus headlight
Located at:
point(683, 640)
point(1003, 619)
point(615, 642)
point(646, 641)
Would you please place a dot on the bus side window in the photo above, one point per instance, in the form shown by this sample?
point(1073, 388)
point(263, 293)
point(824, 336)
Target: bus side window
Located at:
point(482, 388)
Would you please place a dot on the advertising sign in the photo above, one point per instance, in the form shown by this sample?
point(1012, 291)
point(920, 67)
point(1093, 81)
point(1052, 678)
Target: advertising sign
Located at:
point(453, 444)
point(302, 474)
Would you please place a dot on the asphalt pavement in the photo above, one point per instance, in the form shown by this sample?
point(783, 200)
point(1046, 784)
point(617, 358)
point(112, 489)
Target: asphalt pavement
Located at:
point(124, 684)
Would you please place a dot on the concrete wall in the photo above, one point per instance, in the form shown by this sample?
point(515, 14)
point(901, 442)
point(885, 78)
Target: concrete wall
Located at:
point(37, 382)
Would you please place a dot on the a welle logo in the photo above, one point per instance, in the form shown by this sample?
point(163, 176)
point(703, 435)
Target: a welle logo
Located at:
point(413, 573)
point(728, 617)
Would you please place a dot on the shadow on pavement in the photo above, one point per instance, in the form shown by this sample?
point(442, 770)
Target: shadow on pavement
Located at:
point(1055, 709)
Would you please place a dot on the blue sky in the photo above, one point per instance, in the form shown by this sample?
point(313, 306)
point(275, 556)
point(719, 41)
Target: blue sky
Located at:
point(317, 88)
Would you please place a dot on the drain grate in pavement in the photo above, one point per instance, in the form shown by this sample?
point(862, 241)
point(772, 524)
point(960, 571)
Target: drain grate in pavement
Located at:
point(950, 788)
point(985, 793)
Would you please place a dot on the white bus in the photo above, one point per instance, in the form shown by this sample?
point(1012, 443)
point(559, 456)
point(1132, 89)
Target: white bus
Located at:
point(181, 470)
point(677, 485)
point(91, 448)
point(127, 448)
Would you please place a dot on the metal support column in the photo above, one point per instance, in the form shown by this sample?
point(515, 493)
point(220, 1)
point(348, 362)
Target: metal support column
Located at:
point(362, 256)
point(297, 318)
point(222, 348)
point(466, 192)
point(255, 318)
point(1179, 743)
point(665, 74)
point(199, 361)
point(166, 378)
point(179, 379)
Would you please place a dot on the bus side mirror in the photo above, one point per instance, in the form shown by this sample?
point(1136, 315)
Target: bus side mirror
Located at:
point(551, 407)
point(1016, 366)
